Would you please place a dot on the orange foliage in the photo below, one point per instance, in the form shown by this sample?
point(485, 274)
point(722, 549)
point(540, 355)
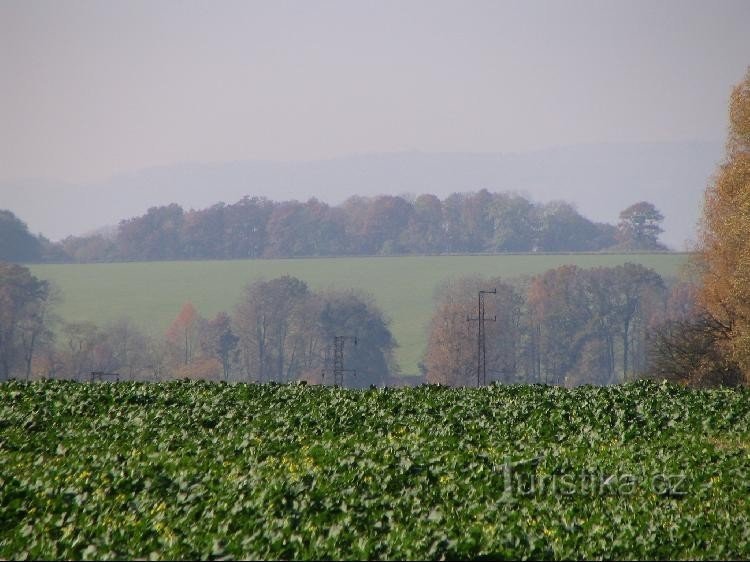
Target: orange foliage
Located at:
point(724, 252)
point(183, 331)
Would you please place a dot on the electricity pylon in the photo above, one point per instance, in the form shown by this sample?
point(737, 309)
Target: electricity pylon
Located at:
point(338, 359)
point(481, 336)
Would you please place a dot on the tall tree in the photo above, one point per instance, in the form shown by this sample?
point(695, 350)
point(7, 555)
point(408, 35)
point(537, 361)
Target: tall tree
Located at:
point(265, 321)
point(513, 224)
point(245, 222)
point(17, 244)
point(23, 318)
point(639, 227)
point(217, 340)
point(425, 233)
point(636, 289)
point(561, 228)
point(284, 329)
point(202, 233)
point(304, 229)
point(451, 355)
point(383, 223)
point(565, 326)
point(725, 241)
point(558, 304)
point(183, 332)
point(604, 324)
point(154, 236)
point(478, 224)
point(350, 313)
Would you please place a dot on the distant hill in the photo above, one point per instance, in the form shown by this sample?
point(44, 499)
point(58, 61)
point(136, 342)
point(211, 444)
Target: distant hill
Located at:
point(601, 179)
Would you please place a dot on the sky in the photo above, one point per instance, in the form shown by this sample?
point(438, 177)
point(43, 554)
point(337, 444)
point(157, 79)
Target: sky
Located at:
point(95, 89)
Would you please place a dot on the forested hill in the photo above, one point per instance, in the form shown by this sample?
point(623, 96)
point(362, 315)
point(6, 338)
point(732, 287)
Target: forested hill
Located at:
point(601, 179)
point(384, 225)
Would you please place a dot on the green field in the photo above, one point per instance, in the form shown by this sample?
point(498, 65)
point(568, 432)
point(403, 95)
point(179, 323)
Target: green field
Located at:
point(151, 293)
point(186, 470)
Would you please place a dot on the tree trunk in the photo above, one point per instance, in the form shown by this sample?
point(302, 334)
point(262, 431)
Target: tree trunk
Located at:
point(30, 354)
point(625, 349)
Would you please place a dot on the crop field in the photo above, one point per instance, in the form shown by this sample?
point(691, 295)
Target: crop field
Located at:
point(151, 293)
point(200, 470)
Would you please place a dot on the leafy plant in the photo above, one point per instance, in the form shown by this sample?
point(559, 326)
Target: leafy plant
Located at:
point(200, 470)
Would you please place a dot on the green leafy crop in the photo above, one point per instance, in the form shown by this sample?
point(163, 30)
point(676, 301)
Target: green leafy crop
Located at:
point(200, 470)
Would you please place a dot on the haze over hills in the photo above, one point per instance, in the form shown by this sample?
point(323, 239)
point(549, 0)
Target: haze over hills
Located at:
point(601, 179)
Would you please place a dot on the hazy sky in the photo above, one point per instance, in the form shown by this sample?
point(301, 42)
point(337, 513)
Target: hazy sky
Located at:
point(91, 89)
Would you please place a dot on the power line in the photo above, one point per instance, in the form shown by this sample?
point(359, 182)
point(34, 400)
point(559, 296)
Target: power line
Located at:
point(481, 336)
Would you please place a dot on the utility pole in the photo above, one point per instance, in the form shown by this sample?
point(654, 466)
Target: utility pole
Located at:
point(338, 359)
point(481, 337)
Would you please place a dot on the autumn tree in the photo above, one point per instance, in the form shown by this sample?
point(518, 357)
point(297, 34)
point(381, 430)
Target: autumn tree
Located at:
point(591, 325)
point(283, 330)
point(183, 331)
point(24, 318)
point(567, 325)
point(451, 351)
point(153, 236)
point(244, 232)
point(559, 307)
point(456, 235)
point(477, 222)
point(599, 354)
point(203, 233)
point(451, 355)
point(560, 227)
point(637, 290)
point(514, 224)
point(386, 217)
point(305, 229)
point(424, 233)
point(724, 250)
point(265, 321)
point(639, 227)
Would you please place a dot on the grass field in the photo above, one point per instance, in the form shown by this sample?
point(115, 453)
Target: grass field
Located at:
point(194, 470)
point(151, 293)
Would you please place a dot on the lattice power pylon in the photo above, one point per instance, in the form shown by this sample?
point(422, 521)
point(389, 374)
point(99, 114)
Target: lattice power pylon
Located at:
point(482, 337)
point(335, 355)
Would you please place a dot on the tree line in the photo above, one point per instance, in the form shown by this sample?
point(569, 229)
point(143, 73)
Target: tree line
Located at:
point(256, 227)
point(279, 331)
point(567, 326)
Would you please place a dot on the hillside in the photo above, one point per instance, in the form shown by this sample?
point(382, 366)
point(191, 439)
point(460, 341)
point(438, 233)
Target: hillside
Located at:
point(601, 179)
